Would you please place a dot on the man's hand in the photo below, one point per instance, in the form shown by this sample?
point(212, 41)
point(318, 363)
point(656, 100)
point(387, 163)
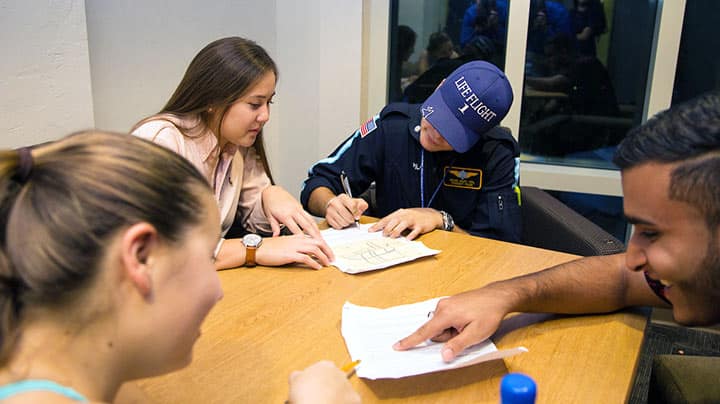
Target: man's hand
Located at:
point(461, 321)
point(342, 211)
point(417, 220)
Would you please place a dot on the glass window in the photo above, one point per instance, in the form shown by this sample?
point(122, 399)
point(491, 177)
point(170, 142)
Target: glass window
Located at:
point(429, 39)
point(585, 78)
point(698, 67)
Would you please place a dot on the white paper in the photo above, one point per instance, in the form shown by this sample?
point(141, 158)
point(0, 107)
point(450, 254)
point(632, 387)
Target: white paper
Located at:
point(358, 250)
point(371, 332)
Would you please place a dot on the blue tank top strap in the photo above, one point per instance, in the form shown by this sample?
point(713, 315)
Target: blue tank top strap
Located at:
point(25, 386)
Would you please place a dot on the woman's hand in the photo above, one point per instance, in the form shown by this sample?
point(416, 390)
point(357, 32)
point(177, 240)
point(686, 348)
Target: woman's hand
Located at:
point(282, 208)
point(321, 383)
point(298, 248)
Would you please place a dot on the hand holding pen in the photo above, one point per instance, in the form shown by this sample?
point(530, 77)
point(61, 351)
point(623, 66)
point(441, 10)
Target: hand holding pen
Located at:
point(343, 210)
point(346, 188)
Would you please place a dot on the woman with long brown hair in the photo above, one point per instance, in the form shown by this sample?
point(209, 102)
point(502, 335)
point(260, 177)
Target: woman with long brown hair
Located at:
point(215, 119)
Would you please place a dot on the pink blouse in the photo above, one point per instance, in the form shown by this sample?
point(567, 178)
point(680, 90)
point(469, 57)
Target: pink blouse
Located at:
point(235, 173)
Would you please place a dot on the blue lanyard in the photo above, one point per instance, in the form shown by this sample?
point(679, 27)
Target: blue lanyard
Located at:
point(422, 182)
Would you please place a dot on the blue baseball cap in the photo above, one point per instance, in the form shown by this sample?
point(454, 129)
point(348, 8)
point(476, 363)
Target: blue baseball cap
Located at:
point(471, 101)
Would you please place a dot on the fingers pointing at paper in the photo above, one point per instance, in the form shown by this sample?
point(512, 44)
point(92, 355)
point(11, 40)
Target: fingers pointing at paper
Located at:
point(461, 320)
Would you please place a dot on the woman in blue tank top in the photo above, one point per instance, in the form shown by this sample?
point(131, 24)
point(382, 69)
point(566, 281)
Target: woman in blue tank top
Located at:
point(102, 237)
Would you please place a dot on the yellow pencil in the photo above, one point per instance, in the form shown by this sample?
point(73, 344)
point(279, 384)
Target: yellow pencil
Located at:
point(349, 368)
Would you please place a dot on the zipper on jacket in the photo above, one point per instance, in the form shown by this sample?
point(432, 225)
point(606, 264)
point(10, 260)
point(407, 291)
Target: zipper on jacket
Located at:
point(500, 203)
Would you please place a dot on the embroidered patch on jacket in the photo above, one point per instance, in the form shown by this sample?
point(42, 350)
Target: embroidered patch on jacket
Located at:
point(368, 126)
point(459, 177)
point(427, 111)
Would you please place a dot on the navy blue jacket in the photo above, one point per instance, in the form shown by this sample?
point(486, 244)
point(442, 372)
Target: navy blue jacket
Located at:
point(475, 187)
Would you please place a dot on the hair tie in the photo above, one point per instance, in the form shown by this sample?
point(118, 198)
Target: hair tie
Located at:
point(25, 163)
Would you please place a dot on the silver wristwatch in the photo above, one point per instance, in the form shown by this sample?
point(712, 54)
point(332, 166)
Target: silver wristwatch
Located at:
point(252, 242)
point(448, 223)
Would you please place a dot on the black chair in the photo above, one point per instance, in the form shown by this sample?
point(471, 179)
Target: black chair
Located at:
point(550, 224)
point(676, 363)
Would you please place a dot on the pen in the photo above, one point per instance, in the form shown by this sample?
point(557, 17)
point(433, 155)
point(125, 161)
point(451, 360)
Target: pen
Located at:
point(349, 368)
point(346, 188)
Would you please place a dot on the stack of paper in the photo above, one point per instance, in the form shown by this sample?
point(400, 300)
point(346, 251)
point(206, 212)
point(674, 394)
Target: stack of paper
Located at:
point(371, 332)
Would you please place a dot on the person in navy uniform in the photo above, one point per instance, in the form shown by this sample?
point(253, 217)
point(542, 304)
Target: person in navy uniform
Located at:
point(443, 164)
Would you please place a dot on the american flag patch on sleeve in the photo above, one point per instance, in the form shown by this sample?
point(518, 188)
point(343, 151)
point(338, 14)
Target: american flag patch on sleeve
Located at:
point(368, 126)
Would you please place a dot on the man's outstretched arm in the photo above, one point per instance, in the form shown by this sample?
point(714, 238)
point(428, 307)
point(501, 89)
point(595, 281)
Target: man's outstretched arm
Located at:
point(587, 285)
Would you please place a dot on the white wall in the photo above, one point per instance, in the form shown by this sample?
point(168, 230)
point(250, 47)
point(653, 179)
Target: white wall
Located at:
point(318, 98)
point(376, 17)
point(44, 74)
point(138, 52)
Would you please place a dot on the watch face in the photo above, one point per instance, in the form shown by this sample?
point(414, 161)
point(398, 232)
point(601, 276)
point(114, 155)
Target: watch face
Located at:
point(252, 240)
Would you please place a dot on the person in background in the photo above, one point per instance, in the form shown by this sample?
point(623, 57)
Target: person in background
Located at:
point(487, 18)
point(587, 21)
point(440, 47)
point(215, 119)
point(590, 92)
point(671, 189)
point(445, 164)
point(402, 71)
point(479, 48)
point(92, 268)
point(548, 18)
point(453, 22)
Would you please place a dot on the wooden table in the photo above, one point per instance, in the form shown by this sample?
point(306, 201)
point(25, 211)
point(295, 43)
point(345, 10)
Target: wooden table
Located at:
point(276, 320)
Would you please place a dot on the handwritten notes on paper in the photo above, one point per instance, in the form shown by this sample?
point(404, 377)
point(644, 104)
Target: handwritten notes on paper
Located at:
point(371, 332)
point(357, 250)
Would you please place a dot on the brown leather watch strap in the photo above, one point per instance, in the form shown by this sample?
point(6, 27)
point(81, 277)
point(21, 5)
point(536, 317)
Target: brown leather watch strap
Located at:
point(252, 242)
point(250, 256)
